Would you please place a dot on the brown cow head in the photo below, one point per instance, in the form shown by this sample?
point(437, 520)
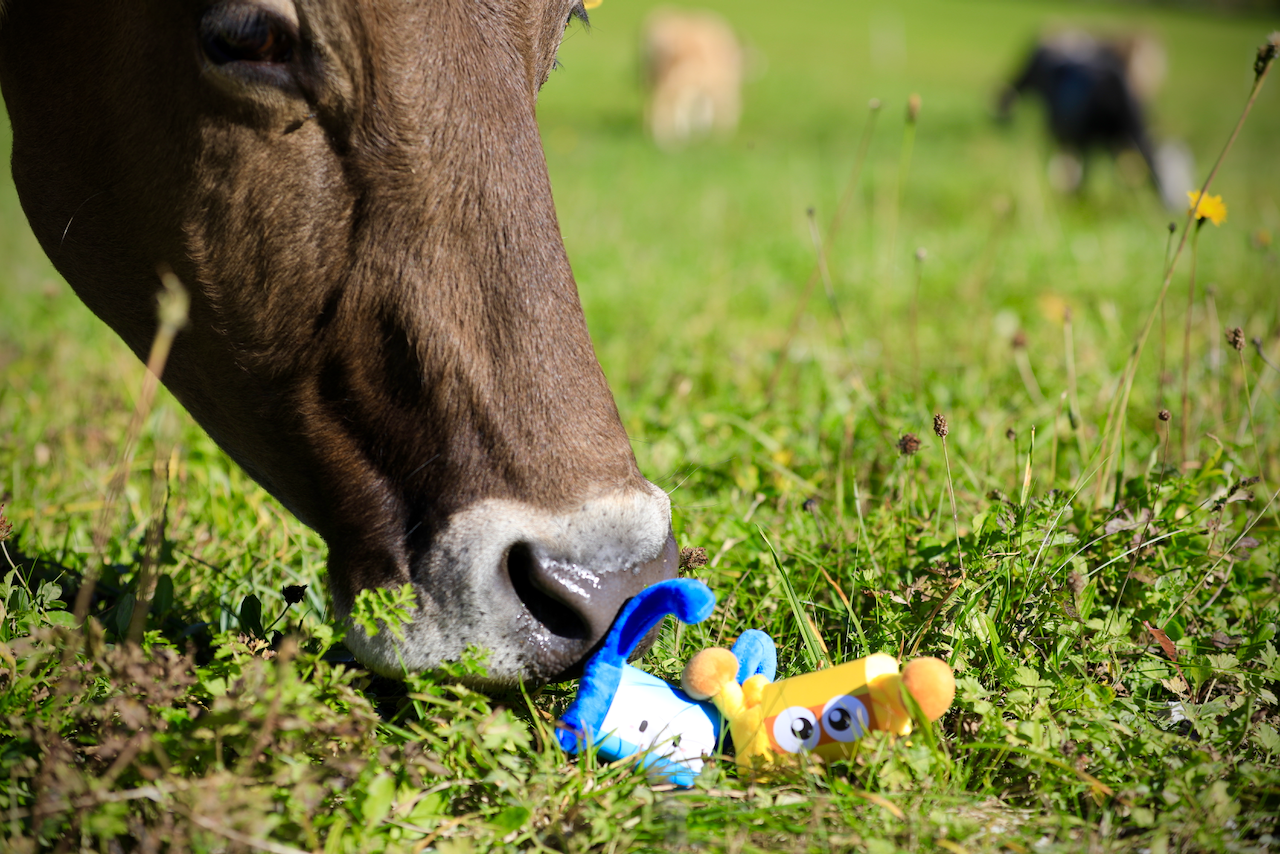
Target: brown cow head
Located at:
point(384, 329)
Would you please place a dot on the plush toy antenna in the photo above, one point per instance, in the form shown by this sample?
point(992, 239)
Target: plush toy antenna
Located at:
point(756, 654)
point(932, 685)
point(688, 599)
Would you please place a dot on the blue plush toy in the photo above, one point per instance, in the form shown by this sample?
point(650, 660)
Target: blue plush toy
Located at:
point(621, 711)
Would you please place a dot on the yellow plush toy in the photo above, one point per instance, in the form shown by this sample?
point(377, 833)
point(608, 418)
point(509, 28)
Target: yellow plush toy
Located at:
point(823, 712)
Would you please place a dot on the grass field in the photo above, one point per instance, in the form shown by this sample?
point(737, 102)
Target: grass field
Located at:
point(1074, 531)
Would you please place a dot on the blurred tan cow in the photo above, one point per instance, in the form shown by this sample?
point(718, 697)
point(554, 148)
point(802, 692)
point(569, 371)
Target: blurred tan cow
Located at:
point(693, 66)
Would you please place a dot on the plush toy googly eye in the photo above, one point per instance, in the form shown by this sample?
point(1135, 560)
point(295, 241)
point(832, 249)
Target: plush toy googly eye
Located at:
point(795, 729)
point(844, 718)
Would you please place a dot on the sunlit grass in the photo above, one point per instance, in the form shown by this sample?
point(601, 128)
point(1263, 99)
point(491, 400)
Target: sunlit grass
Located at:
point(1073, 728)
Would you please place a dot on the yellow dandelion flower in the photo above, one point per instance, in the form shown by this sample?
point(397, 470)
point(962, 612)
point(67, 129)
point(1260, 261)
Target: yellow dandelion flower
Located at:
point(1208, 207)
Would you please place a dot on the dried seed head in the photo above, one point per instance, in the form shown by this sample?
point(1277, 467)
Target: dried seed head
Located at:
point(692, 557)
point(874, 105)
point(1076, 582)
point(908, 444)
point(1066, 314)
point(913, 108)
point(1266, 53)
point(921, 254)
point(1019, 340)
point(1163, 415)
point(1173, 226)
point(173, 300)
point(1011, 434)
point(293, 593)
point(940, 428)
point(1235, 337)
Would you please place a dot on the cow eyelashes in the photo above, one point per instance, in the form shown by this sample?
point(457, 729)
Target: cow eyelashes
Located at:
point(578, 11)
point(245, 33)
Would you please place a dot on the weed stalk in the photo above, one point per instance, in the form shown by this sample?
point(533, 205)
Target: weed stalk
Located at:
point(1053, 446)
point(921, 255)
point(904, 169)
point(1023, 361)
point(1113, 430)
point(1183, 425)
point(153, 544)
point(1073, 394)
point(174, 306)
point(1216, 359)
point(1168, 250)
point(940, 429)
point(820, 250)
point(845, 200)
point(1236, 337)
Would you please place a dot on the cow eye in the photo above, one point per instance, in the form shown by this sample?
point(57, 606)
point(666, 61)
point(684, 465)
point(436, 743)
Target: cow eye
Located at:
point(244, 33)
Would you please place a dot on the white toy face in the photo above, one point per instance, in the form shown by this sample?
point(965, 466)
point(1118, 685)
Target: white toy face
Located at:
point(649, 714)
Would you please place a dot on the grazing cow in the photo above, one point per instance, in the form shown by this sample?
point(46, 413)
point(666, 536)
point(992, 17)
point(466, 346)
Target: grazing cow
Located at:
point(384, 329)
point(1093, 92)
point(692, 66)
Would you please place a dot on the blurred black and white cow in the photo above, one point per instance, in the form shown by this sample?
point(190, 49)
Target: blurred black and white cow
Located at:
point(1094, 92)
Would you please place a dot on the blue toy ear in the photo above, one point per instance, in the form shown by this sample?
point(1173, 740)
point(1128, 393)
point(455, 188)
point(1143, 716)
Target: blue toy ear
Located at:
point(689, 599)
point(756, 655)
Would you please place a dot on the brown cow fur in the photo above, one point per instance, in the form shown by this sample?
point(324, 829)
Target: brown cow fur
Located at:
point(385, 331)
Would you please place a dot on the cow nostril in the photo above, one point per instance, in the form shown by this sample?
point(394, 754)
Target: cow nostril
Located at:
point(530, 583)
point(572, 604)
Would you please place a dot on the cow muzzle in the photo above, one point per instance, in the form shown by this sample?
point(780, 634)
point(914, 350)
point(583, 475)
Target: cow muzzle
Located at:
point(537, 591)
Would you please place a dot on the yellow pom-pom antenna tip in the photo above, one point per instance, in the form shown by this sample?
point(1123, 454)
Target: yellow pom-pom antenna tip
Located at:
point(932, 684)
point(708, 672)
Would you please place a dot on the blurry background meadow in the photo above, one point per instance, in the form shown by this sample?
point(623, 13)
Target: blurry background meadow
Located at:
point(961, 284)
